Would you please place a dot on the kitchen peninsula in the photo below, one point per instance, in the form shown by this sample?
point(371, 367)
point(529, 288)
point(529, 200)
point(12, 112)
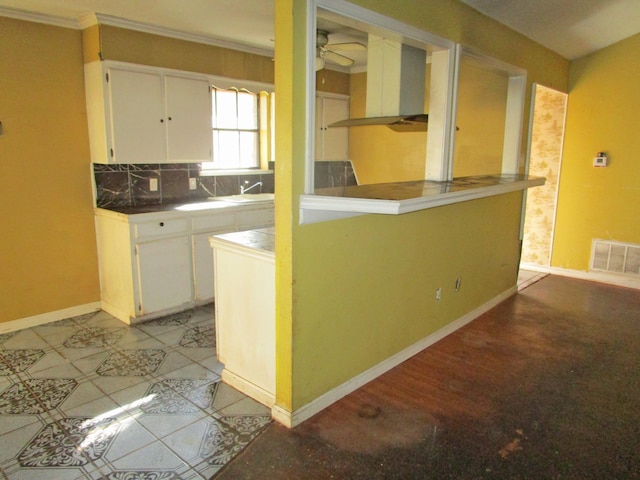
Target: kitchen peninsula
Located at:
point(404, 197)
point(245, 310)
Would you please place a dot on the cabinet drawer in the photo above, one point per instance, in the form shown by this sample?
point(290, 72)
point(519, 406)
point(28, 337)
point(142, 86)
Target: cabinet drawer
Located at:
point(214, 222)
point(255, 218)
point(161, 227)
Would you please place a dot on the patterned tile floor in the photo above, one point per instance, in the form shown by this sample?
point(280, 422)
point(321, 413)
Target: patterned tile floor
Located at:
point(92, 398)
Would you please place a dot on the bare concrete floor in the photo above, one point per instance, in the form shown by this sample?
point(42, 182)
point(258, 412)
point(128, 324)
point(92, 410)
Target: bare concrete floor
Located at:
point(544, 386)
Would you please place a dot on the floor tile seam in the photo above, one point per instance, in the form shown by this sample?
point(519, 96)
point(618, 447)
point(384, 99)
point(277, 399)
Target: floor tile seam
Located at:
point(162, 438)
point(204, 465)
point(187, 461)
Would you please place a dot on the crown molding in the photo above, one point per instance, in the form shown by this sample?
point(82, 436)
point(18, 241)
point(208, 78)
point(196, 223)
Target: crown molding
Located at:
point(38, 18)
point(103, 19)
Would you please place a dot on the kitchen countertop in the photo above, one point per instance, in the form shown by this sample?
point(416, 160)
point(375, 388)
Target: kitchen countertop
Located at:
point(212, 203)
point(263, 239)
point(404, 197)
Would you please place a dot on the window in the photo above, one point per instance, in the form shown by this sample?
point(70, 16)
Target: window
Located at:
point(242, 129)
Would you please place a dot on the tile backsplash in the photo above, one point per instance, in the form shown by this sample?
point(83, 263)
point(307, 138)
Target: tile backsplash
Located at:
point(128, 185)
point(334, 174)
point(125, 185)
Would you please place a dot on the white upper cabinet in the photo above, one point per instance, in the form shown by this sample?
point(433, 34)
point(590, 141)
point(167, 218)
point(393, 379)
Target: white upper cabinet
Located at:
point(332, 143)
point(188, 108)
point(147, 115)
point(137, 117)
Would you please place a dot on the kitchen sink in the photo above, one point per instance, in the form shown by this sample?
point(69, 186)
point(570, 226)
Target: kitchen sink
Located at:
point(246, 198)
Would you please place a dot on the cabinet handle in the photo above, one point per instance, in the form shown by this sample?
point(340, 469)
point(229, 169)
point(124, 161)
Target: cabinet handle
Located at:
point(169, 118)
point(162, 120)
point(162, 224)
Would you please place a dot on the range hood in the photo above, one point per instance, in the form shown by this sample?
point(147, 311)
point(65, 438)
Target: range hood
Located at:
point(395, 87)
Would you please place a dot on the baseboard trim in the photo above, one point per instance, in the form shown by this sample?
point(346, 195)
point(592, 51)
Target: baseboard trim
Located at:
point(291, 419)
point(600, 277)
point(41, 319)
point(251, 389)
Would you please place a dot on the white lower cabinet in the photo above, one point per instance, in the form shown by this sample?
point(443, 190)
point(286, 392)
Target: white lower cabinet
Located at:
point(164, 274)
point(202, 261)
point(153, 264)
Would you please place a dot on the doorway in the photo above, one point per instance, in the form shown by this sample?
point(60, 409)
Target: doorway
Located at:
point(546, 140)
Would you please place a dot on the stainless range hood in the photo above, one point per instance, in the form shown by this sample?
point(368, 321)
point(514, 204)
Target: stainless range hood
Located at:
point(395, 87)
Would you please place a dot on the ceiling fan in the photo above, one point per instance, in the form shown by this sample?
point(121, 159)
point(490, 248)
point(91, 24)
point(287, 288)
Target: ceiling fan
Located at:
point(327, 52)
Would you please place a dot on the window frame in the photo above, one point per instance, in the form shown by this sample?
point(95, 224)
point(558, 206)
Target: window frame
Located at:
point(266, 149)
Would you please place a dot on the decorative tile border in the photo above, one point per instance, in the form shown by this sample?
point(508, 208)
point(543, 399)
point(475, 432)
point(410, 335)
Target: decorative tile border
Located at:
point(71, 442)
point(203, 336)
point(93, 337)
point(226, 437)
point(36, 395)
point(131, 363)
point(180, 396)
point(13, 361)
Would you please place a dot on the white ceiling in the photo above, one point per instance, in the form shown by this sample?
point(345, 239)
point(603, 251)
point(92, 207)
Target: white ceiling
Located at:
point(572, 28)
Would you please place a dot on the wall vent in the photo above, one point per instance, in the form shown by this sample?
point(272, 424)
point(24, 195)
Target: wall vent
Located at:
point(615, 257)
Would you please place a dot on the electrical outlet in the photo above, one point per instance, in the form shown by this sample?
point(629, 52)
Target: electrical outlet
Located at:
point(193, 183)
point(153, 184)
point(438, 294)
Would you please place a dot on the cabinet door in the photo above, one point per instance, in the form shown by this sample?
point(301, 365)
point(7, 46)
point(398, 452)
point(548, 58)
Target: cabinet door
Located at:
point(137, 117)
point(164, 274)
point(202, 266)
point(189, 135)
point(331, 143)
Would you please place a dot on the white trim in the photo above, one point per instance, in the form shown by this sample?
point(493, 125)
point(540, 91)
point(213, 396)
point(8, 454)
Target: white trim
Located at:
point(248, 388)
point(310, 99)
point(600, 277)
point(39, 18)
point(292, 419)
point(35, 320)
point(379, 22)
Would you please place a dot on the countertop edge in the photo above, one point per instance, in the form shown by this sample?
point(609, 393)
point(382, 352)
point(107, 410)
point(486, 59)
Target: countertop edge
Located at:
point(337, 206)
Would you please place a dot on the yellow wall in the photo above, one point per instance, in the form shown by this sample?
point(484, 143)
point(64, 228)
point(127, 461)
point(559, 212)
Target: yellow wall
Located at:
point(352, 292)
point(381, 155)
point(47, 246)
point(378, 153)
point(602, 115)
point(480, 119)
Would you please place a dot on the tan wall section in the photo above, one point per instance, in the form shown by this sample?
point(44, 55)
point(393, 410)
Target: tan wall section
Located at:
point(147, 49)
point(47, 247)
point(332, 82)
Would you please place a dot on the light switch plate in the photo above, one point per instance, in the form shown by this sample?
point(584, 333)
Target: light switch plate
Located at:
point(153, 184)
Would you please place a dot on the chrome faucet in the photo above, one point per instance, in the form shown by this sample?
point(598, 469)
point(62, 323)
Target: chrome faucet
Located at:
point(244, 189)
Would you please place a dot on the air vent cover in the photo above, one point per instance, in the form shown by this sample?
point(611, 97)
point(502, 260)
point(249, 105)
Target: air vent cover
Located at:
point(615, 257)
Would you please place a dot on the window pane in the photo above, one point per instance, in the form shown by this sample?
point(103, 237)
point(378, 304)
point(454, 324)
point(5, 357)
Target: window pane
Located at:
point(248, 150)
point(226, 149)
point(247, 111)
point(225, 110)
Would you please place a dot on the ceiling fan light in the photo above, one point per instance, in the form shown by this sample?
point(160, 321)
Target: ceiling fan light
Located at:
point(319, 63)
